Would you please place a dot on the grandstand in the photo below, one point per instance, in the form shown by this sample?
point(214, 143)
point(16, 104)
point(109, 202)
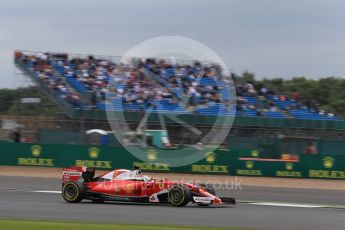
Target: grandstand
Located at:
point(85, 86)
point(136, 87)
point(83, 81)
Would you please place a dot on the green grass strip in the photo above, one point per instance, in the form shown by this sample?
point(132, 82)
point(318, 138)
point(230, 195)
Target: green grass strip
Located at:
point(13, 224)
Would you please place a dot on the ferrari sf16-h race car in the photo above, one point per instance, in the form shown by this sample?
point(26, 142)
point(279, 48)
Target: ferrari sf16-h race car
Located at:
point(123, 185)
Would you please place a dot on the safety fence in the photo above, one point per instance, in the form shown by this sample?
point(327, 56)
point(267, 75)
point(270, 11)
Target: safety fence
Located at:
point(212, 120)
point(235, 162)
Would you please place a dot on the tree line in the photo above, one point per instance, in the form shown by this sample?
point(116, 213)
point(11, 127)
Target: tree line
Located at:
point(10, 102)
point(327, 92)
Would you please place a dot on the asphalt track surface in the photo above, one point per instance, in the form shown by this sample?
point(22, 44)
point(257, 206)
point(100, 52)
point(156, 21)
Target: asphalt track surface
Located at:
point(18, 199)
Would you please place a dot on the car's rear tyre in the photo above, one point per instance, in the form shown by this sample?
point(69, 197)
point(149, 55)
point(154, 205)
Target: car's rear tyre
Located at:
point(73, 192)
point(179, 196)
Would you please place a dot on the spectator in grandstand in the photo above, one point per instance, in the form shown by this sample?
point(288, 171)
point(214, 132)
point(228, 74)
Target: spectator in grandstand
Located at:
point(16, 136)
point(263, 91)
point(283, 98)
point(273, 108)
point(311, 148)
point(241, 103)
point(41, 65)
point(259, 113)
point(246, 89)
point(330, 115)
point(199, 146)
point(295, 96)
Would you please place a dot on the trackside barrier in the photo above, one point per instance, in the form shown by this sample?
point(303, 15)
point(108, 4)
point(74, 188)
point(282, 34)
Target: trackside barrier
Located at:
point(216, 162)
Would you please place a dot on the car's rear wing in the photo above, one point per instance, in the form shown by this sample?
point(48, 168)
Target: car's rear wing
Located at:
point(75, 173)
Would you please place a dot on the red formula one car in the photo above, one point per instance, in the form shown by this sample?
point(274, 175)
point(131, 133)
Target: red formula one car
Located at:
point(130, 186)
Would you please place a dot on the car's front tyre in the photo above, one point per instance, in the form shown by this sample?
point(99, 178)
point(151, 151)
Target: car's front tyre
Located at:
point(179, 196)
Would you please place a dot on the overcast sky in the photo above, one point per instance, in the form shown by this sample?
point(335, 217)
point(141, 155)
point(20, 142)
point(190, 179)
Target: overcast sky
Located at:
point(272, 38)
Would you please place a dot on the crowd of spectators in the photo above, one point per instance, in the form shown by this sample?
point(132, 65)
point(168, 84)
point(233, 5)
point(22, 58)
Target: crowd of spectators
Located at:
point(132, 85)
point(264, 100)
point(197, 81)
point(147, 82)
point(137, 82)
point(40, 65)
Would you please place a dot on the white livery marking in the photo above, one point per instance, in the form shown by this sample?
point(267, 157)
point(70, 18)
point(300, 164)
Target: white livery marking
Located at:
point(205, 200)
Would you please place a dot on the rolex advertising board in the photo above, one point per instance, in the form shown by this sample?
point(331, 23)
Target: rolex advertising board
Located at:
point(269, 168)
point(325, 167)
point(217, 162)
point(288, 169)
point(151, 163)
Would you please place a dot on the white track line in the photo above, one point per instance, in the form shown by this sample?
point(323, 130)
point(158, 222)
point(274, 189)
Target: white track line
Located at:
point(288, 205)
point(261, 203)
point(47, 191)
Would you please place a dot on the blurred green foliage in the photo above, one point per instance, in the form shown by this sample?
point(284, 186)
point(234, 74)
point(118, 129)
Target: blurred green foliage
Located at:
point(10, 102)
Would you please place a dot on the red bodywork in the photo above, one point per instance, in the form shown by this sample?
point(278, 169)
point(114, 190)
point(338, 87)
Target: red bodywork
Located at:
point(128, 185)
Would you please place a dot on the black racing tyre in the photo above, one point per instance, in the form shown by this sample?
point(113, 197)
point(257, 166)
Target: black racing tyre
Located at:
point(73, 192)
point(179, 196)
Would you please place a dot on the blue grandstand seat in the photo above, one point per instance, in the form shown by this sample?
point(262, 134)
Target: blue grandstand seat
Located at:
point(249, 113)
point(251, 100)
point(207, 81)
point(305, 114)
point(274, 114)
point(216, 109)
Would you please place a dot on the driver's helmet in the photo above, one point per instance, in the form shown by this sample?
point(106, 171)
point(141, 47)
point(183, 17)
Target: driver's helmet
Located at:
point(137, 170)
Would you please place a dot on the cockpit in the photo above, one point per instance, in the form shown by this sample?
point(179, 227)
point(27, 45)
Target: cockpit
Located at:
point(124, 174)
